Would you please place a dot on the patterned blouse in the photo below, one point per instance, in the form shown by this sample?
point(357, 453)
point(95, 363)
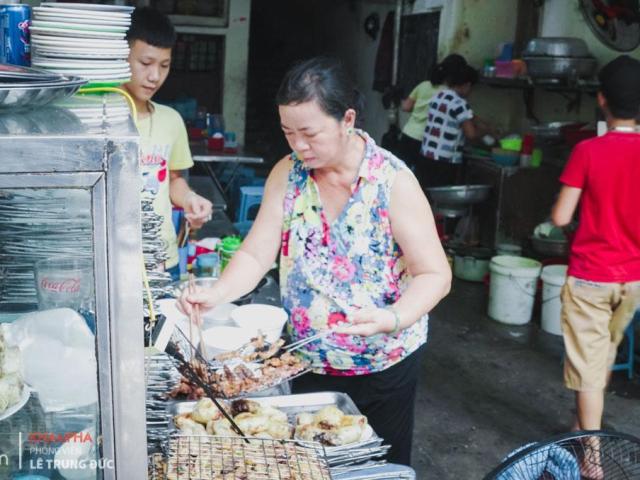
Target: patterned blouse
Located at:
point(328, 271)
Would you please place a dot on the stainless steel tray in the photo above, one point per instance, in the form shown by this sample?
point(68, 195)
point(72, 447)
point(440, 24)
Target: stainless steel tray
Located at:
point(26, 95)
point(299, 403)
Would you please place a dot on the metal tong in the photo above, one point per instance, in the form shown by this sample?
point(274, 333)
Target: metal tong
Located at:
point(292, 347)
point(189, 372)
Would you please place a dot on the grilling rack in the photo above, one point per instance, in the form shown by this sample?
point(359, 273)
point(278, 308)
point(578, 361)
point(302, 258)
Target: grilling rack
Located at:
point(230, 458)
point(161, 376)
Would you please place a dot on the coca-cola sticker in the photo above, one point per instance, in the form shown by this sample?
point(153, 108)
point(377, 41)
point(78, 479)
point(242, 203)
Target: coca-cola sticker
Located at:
point(68, 285)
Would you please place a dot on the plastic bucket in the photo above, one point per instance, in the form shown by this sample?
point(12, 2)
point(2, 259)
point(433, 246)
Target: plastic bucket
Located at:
point(470, 268)
point(553, 279)
point(508, 249)
point(513, 287)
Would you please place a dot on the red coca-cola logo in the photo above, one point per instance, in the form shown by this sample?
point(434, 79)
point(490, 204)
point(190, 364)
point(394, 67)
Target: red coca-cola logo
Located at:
point(68, 285)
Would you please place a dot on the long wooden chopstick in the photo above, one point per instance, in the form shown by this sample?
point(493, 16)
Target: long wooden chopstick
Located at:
point(195, 317)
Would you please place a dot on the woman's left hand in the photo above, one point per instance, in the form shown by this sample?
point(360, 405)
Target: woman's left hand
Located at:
point(198, 210)
point(369, 321)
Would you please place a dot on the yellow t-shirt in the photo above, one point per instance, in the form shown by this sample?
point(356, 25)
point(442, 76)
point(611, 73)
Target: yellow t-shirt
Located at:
point(164, 146)
point(423, 92)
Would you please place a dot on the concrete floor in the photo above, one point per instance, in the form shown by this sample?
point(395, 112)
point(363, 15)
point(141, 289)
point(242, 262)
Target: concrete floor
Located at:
point(487, 388)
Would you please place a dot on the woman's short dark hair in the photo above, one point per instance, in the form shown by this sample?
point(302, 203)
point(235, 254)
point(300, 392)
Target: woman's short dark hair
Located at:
point(151, 27)
point(324, 80)
point(446, 67)
point(453, 71)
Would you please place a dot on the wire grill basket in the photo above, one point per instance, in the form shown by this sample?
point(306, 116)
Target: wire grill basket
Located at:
point(232, 458)
point(226, 382)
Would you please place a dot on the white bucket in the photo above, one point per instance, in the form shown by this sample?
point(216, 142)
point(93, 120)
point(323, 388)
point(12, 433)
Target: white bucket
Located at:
point(553, 278)
point(508, 249)
point(513, 287)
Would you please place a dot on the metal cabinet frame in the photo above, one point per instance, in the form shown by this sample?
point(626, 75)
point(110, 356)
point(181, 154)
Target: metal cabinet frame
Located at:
point(108, 166)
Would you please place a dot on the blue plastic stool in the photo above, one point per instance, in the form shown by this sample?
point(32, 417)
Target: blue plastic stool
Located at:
point(249, 197)
point(630, 335)
point(243, 227)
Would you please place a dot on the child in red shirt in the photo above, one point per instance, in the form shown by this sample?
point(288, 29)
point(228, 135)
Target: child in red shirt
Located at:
point(602, 290)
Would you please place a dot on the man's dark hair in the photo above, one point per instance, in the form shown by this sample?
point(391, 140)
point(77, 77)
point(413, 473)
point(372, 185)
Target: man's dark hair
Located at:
point(620, 86)
point(151, 27)
point(324, 80)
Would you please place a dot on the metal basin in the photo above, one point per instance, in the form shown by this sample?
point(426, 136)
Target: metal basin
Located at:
point(458, 195)
point(557, 47)
point(561, 67)
point(22, 95)
point(550, 247)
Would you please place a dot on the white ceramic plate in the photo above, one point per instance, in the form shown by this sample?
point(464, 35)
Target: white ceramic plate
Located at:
point(76, 33)
point(76, 55)
point(26, 394)
point(79, 71)
point(48, 40)
point(92, 19)
point(106, 78)
point(54, 63)
point(88, 6)
point(51, 9)
point(76, 26)
point(124, 53)
point(97, 76)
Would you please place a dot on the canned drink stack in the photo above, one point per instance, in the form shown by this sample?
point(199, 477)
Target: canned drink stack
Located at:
point(15, 39)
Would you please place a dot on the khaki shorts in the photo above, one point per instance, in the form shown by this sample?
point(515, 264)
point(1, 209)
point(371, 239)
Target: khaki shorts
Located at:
point(594, 318)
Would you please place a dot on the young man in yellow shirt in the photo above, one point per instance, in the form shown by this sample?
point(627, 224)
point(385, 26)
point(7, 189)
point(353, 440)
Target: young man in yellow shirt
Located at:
point(164, 144)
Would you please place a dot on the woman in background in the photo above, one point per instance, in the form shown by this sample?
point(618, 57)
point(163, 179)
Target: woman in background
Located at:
point(417, 103)
point(450, 122)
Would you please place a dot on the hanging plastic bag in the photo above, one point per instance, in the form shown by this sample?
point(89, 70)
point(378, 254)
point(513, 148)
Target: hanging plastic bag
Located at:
point(59, 357)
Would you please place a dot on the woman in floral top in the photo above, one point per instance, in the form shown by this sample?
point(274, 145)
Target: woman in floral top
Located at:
point(360, 258)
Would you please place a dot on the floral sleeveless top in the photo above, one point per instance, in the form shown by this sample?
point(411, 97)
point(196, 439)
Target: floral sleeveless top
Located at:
point(328, 271)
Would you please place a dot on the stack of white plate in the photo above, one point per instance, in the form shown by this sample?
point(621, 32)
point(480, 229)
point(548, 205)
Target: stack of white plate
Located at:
point(110, 110)
point(83, 40)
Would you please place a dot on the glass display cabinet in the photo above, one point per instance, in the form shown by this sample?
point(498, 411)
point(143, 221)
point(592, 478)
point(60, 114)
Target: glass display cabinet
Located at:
point(72, 402)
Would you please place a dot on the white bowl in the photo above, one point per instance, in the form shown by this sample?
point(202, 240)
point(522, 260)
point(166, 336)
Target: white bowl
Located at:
point(219, 315)
point(224, 339)
point(258, 317)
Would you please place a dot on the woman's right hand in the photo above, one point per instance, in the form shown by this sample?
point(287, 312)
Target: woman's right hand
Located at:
point(206, 298)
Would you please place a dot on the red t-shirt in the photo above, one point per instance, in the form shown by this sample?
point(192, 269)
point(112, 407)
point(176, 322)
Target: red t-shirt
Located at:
point(606, 247)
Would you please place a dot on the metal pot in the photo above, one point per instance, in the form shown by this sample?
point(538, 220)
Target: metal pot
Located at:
point(550, 247)
point(560, 67)
point(556, 47)
point(458, 195)
point(470, 268)
point(550, 131)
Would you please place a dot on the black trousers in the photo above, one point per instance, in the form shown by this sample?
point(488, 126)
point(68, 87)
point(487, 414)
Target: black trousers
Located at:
point(430, 173)
point(409, 151)
point(387, 398)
